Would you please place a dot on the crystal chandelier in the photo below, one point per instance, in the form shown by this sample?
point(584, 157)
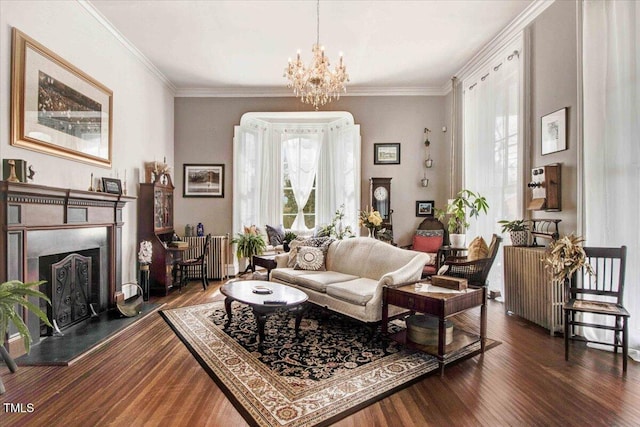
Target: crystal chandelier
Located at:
point(316, 84)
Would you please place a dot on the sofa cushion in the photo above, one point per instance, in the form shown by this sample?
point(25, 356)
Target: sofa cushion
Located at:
point(366, 257)
point(316, 280)
point(478, 249)
point(428, 244)
point(357, 291)
point(309, 258)
point(275, 235)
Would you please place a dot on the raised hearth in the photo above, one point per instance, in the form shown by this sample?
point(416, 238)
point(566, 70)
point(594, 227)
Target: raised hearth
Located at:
point(82, 229)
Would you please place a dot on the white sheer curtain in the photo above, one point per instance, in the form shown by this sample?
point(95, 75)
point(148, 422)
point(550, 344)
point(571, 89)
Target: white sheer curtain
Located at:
point(302, 152)
point(611, 65)
point(339, 174)
point(492, 146)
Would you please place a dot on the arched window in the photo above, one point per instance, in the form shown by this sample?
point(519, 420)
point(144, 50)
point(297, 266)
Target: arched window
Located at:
point(295, 169)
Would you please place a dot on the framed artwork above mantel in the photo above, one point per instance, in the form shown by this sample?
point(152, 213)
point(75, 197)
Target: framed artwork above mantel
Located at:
point(56, 108)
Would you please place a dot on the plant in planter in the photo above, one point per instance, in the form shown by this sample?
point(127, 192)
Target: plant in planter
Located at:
point(456, 210)
point(13, 294)
point(289, 236)
point(248, 245)
point(518, 230)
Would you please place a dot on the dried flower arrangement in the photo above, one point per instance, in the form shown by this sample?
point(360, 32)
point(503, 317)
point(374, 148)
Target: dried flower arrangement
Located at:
point(565, 256)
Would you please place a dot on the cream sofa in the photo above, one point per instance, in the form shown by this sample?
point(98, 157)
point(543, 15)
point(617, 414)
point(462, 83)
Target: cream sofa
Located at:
point(357, 269)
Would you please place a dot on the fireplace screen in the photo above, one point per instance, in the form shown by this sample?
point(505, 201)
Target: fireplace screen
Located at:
point(70, 285)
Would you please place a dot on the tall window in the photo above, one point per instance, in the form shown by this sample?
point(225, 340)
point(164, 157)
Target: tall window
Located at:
point(492, 145)
point(300, 156)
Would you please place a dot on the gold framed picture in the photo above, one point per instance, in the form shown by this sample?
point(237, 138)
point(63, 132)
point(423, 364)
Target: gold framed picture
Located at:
point(56, 108)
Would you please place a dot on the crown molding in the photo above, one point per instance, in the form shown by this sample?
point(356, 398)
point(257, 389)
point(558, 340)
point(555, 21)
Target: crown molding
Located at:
point(272, 91)
point(126, 43)
point(507, 35)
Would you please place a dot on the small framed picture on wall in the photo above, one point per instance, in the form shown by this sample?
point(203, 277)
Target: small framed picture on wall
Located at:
point(553, 131)
point(386, 153)
point(203, 180)
point(424, 208)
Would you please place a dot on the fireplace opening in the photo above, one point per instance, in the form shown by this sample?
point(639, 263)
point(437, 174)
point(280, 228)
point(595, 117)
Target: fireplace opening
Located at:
point(72, 284)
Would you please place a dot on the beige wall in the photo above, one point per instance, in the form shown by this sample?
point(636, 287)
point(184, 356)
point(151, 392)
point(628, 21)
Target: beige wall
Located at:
point(204, 133)
point(142, 104)
point(554, 86)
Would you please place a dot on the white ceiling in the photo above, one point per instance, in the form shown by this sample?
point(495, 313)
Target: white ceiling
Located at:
point(241, 47)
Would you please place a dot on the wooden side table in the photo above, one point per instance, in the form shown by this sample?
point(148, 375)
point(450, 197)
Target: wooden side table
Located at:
point(441, 305)
point(266, 261)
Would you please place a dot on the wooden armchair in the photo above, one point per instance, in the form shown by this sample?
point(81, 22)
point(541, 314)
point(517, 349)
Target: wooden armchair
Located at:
point(430, 236)
point(475, 271)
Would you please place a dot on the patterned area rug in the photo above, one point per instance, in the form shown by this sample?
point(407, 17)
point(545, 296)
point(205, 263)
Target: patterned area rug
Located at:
point(335, 368)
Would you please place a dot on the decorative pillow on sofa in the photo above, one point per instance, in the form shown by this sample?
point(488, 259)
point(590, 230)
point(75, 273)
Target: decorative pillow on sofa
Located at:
point(275, 235)
point(316, 242)
point(310, 258)
point(478, 249)
point(251, 230)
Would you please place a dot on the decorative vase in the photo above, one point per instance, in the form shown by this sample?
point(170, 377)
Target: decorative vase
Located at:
point(372, 232)
point(457, 240)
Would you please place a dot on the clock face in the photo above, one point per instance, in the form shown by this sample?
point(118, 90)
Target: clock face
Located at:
point(380, 193)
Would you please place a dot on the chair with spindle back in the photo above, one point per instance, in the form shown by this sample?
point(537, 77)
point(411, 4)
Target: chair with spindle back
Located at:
point(201, 262)
point(600, 294)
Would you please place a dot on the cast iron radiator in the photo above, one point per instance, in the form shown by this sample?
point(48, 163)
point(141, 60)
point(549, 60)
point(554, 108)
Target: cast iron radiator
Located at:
point(216, 258)
point(529, 290)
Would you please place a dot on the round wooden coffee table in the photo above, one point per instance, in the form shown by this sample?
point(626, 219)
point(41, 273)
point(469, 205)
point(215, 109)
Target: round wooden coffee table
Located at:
point(263, 304)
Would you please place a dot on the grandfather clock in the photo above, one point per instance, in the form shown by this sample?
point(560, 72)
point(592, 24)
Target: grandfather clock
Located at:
point(380, 191)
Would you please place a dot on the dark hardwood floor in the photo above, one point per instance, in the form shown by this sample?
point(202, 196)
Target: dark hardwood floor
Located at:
point(146, 376)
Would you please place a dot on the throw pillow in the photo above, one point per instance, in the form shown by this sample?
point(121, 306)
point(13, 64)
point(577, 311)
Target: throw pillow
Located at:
point(478, 249)
point(430, 233)
point(275, 235)
point(429, 244)
point(309, 258)
point(251, 230)
point(316, 242)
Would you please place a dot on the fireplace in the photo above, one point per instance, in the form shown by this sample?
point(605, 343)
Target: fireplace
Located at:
point(70, 238)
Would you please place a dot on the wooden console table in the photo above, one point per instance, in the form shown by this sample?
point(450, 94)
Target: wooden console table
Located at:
point(442, 306)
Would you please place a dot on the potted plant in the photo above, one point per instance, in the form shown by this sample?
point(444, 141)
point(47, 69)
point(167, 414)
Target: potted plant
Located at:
point(248, 245)
point(518, 231)
point(289, 236)
point(12, 294)
point(456, 210)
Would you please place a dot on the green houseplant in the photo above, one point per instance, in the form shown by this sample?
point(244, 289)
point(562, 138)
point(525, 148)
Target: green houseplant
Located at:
point(518, 230)
point(289, 237)
point(248, 245)
point(13, 293)
point(466, 204)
